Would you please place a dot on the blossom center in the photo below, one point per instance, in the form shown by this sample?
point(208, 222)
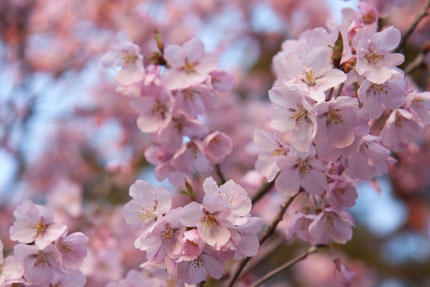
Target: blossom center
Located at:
point(380, 88)
point(197, 262)
point(303, 167)
point(298, 115)
point(41, 259)
point(279, 151)
point(399, 121)
point(189, 67)
point(159, 108)
point(417, 102)
point(334, 117)
point(309, 78)
point(369, 18)
point(41, 227)
point(210, 220)
point(147, 214)
point(373, 57)
point(168, 233)
point(129, 58)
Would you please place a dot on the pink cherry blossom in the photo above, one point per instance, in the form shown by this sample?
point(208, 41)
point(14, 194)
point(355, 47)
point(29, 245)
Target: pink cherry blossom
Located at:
point(343, 274)
point(401, 128)
point(35, 223)
point(194, 100)
point(221, 80)
point(337, 120)
point(299, 226)
point(195, 271)
point(155, 112)
point(212, 219)
point(390, 94)
point(314, 74)
point(216, 146)
point(148, 204)
point(190, 156)
point(331, 224)
point(419, 104)
point(374, 58)
point(248, 245)
point(126, 56)
point(189, 64)
point(273, 148)
point(165, 239)
point(40, 265)
point(240, 204)
point(11, 269)
point(292, 113)
point(341, 194)
point(193, 245)
point(72, 278)
point(301, 170)
point(72, 248)
point(371, 159)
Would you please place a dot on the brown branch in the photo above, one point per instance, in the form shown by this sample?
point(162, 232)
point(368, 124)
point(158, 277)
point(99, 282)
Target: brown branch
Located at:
point(220, 174)
point(286, 265)
point(411, 28)
point(269, 231)
point(265, 188)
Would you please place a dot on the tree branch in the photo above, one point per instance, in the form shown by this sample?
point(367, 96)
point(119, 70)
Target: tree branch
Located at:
point(411, 28)
point(220, 174)
point(269, 231)
point(286, 265)
point(265, 188)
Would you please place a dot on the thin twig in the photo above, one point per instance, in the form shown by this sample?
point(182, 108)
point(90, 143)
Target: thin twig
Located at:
point(269, 231)
point(265, 188)
point(339, 90)
point(411, 29)
point(220, 174)
point(286, 265)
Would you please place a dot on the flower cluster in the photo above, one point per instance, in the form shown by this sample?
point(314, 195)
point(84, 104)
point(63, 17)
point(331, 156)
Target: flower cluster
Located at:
point(193, 241)
point(46, 254)
point(171, 96)
point(334, 88)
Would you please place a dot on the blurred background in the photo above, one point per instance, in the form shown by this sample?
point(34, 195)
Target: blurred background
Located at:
point(69, 140)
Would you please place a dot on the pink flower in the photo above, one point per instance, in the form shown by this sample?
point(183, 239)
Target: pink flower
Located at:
point(248, 245)
point(148, 204)
point(292, 113)
point(221, 80)
point(11, 269)
point(39, 264)
point(300, 226)
point(72, 278)
point(164, 239)
point(374, 58)
point(273, 148)
point(216, 146)
point(193, 245)
point(181, 125)
point(370, 160)
point(126, 56)
point(188, 65)
point(35, 223)
point(341, 194)
point(301, 169)
point(314, 74)
point(155, 112)
point(188, 157)
point(240, 204)
point(331, 224)
point(195, 271)
point(194, 100)
point(419, 104)
point(401, 128)
point(337, 120)
point(212, 219)
point(72, 248)
point(390, 94)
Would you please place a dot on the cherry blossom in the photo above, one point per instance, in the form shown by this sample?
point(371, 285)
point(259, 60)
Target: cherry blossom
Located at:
point(125, 55)
point(35, 223)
